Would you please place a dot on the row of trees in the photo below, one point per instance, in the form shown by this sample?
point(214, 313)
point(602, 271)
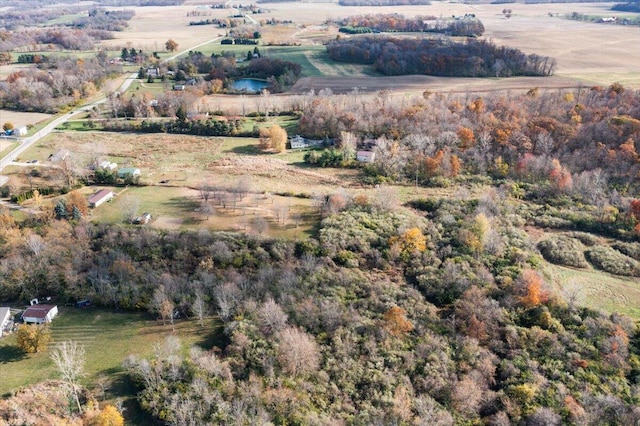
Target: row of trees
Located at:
point(466, 26)
point(443, 57)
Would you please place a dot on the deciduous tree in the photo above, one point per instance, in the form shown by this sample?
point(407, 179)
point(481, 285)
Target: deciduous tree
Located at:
point(32, 338)
point(171, 45)
point(69, 358)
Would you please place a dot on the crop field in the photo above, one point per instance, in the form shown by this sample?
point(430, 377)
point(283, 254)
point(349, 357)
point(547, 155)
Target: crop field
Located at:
point(19, 119)
point(108, 338)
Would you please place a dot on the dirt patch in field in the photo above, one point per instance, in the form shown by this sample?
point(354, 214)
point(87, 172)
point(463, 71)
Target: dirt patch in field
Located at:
point(420, 83)
point(272, 168)
point(20, 119)
point(171, 223)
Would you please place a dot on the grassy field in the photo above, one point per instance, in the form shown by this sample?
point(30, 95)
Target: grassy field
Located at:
point(108, 337)
point(598, 290)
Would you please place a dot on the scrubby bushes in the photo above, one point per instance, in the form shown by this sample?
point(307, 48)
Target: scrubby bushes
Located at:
point(630, 249)
point(612, 261)
point(564, 251)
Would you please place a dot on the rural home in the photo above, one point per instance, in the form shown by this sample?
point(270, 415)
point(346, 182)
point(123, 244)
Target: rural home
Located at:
point(39, 314)
point(100, 197)
point(128, 172)
point(366, 156)
point(107, 165)
point(298, 141)
point(5, 318)
point(21, 131)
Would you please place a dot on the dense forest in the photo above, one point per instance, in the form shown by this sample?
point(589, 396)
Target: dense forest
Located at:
point(56, 82)
point(632, 6)
point(440, 57)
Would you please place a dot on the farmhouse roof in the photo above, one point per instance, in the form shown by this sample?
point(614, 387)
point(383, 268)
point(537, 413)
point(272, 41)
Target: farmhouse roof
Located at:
point(4, 313)
point(99, 196)
point(128, 171)
point(365, 154)
point(37, 311)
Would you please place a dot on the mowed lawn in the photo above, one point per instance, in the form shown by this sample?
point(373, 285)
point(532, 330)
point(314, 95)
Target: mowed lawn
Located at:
point(108, 338)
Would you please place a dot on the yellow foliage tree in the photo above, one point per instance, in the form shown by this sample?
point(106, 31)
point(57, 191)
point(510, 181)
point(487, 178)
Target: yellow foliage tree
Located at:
point(410, 241)
point(109, 416)
point(33, 338)
point(273, 139)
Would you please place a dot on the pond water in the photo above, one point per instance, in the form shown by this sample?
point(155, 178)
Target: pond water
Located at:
point(250, 85)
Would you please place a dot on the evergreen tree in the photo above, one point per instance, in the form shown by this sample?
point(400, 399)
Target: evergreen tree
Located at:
point(61, 210)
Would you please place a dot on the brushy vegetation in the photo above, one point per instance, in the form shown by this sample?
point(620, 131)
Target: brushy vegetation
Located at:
point(630, 249)
point(612, 261)
point(563, 250)
point(388, 316)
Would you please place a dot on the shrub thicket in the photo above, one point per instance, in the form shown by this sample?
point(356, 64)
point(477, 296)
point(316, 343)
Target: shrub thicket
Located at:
point(563, 250)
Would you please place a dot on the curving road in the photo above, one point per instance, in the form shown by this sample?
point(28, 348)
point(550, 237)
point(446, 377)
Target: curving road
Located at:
point(26, 143)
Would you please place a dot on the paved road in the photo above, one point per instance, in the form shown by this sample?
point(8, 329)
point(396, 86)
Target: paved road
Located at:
point(253, 21)
point(26, 143)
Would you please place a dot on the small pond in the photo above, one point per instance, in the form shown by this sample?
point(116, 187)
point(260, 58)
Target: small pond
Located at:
point(250, 85)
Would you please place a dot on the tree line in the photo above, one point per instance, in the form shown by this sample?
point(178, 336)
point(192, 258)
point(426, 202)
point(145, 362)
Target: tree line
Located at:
point(465, 26)
point(441, 57)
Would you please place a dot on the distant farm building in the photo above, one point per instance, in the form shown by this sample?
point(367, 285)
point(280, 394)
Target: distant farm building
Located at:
point(126, 172)
point(366, 156)
point(100, 197)
point(39, 314)
point(21, 131)
point(107, 165)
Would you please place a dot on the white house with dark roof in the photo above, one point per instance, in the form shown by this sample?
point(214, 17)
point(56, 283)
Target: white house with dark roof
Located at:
point(39, 314)
point(5, 318)
point(100, 197)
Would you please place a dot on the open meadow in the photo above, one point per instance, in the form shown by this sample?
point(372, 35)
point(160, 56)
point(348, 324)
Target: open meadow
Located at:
point(108, 338)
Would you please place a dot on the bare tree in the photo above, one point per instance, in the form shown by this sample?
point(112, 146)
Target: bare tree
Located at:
point(69, 358)
point(206, 209)
point(36, 244)
point(205, 190)
point(298, 352)
point(199, 308)
point(129, 206)
point(271, 317)
point(385, 198)
point(260, 225)
point(162, 305)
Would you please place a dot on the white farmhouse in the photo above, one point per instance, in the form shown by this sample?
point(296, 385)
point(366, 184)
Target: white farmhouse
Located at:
point(39, 314)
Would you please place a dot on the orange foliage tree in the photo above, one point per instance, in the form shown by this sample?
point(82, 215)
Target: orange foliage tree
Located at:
point(534, 294)
point(395, 320)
